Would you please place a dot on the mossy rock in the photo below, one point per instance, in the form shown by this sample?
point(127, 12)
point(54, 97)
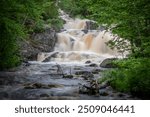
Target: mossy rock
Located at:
point(108, 63)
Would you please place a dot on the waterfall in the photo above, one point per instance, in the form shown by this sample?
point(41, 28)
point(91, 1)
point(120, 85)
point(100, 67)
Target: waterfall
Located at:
point(77, 42)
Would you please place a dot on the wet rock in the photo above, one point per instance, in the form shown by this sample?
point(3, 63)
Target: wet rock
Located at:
point(107, 63)
point(104, 85)
point(96, 71)
point(103, 92)
point(88, 76)
point(93, 65)
point(109, 88)
point(91, 25)
point(87, 90)
point(120, 95)
point(62, 30)
point(67, 76)
point(85, 74)
point(54, 86)
point(72, 39)
point(38, 85)
point(26, 63)
point(87, 62)
point(83, 89)
point(85, 31)
point(28, 87)
point(41, 86)
point(81, 72)
point(92, 88)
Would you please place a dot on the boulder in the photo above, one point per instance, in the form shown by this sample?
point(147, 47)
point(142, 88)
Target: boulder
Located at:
point(91, 88)
point(107, 63)
point(103, 92)
point(68, 76)
point(91, 25)
point(104, 85)
point(87, 62)
point(38, 42)
point(96, 71)
point(93, 65)
point(85, 31)
point(85, 74)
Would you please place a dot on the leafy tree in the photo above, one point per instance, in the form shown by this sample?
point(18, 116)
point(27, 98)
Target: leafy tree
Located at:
point(20, 18)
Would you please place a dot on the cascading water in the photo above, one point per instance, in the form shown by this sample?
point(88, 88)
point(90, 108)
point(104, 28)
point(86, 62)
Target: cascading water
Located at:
point(71, 71)
point(77, 42)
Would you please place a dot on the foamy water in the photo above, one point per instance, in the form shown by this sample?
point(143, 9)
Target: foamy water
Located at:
point(76, 43)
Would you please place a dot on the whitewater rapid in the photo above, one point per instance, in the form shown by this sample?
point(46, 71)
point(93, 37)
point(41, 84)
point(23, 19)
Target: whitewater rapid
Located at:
point(77, 42)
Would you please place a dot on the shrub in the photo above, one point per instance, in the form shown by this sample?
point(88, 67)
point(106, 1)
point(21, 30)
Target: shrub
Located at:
point(132, 75)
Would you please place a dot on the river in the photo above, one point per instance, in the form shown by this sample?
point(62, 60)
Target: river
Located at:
point(71, 71)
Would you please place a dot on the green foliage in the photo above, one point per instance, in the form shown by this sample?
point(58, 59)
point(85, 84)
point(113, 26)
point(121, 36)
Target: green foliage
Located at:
point(68, 6)
point(20, 18)
point(117, 79)
point(75, 7)
point(131, 76)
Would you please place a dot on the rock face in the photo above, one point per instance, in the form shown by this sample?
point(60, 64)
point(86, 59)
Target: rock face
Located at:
point(91, 25)
point(38, 42)
point(107, 63)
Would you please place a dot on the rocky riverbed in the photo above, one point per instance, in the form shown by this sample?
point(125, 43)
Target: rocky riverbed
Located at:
point(50, 81)
point(66, 65)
